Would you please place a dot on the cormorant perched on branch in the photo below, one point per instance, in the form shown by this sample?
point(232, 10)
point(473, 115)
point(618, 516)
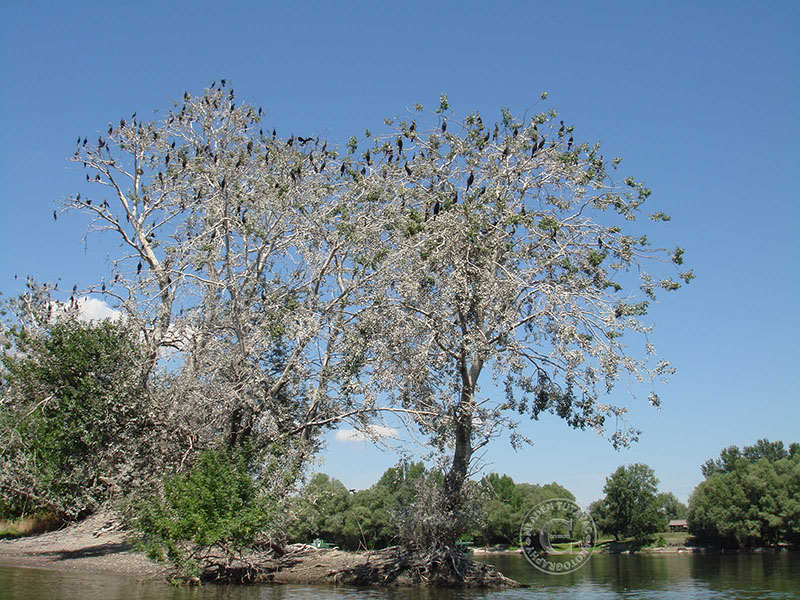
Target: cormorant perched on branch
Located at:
point(470, 179)
point(444, 125)
point(139, 268)
point(55, 215)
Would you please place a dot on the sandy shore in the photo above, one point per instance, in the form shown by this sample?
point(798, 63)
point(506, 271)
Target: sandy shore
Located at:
point(95, 545)
point(100, 545)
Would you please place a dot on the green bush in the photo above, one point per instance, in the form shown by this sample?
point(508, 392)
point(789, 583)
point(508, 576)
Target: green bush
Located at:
point(73, 409)
point(213, 511)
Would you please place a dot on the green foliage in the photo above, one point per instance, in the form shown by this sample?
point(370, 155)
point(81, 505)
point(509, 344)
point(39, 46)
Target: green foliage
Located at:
point(399, 508)
point(670, 508)
point(365, 519)
point(321, 511)
point(750, 497)
point(506, 504)
point(215, 506)
point(73, 407)
point(631, 505)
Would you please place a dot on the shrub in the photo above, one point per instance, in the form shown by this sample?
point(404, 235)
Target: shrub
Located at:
point(73, 409)
point(207, 517)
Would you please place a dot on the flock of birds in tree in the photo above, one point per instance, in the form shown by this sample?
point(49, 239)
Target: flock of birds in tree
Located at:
point(296, 172)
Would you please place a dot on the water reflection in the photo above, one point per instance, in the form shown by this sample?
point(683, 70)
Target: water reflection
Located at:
point(605, 576)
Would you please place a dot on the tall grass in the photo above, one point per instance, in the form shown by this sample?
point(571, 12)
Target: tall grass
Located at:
point(34, 524)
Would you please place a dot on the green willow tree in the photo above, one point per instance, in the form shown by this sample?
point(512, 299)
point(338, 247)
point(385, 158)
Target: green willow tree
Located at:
point(510, 253)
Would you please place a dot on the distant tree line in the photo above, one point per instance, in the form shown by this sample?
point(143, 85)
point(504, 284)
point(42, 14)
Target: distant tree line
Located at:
point(750, 497)
point(382, 514)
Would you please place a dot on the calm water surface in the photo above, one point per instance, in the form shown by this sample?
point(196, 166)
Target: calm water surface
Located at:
point(606, 576)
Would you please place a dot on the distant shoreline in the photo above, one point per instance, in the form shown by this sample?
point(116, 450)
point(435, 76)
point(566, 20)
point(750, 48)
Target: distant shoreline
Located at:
point(100, 545)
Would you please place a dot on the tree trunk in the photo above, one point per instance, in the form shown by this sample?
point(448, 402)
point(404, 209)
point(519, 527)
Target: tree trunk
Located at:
point(462, 429)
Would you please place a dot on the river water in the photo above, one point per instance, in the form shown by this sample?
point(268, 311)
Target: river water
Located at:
point(770, 575)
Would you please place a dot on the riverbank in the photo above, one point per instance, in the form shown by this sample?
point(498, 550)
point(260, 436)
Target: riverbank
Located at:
point(96, 545)
point(100, 545)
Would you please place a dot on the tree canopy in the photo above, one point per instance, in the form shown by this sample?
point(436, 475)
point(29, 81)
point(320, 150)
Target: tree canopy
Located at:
point(279, 286)
point(499, 256)
point(631, 504)
point(750, 497)
point(74, 417)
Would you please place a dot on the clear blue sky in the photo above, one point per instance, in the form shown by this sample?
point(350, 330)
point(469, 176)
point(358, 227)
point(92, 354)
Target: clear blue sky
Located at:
point(701, 100)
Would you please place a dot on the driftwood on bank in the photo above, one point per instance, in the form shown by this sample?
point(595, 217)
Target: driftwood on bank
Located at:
point(393, 566)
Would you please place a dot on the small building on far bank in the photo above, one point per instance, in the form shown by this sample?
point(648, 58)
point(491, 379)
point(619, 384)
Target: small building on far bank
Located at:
point(678, 525)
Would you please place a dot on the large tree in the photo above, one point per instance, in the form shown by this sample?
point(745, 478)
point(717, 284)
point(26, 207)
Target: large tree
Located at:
point(296, 285)
point(749, 497)
point(240, 266)
point(510, 248)
point(631, 503)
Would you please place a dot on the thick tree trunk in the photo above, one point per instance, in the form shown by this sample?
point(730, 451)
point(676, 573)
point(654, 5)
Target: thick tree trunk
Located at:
point(462, 430)
point(462, 454)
